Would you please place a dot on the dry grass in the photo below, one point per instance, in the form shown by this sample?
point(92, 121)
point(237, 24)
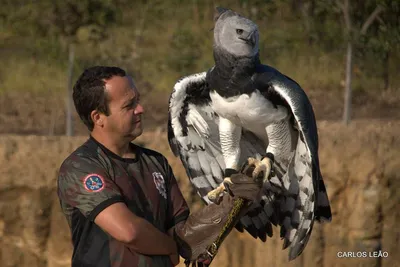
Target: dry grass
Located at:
point(31, 75)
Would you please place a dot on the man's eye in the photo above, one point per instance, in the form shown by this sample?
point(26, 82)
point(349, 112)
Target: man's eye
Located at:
point(130, 105)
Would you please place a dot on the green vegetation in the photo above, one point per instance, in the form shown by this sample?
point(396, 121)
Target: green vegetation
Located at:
point(160, 41)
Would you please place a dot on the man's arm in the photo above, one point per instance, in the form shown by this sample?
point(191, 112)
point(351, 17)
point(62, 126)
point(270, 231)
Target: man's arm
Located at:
point(85, 185)
point(137, 233)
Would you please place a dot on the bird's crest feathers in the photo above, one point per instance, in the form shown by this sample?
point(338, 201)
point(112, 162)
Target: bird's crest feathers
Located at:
point(219, 11)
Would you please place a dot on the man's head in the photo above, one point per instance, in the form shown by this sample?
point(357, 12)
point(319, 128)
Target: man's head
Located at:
point(107, 101)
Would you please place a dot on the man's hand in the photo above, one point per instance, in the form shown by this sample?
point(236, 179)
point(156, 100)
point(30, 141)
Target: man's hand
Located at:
point(175, 256)
point(174, 259)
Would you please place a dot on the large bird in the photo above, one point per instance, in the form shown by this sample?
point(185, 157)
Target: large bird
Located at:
point(240, 109)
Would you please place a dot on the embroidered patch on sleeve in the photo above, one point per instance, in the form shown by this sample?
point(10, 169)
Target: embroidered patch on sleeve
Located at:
point(93, 183)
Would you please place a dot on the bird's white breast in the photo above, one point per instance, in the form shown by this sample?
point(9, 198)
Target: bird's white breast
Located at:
point(252, 112)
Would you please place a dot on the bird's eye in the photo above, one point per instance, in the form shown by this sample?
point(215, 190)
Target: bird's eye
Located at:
point(239, 31)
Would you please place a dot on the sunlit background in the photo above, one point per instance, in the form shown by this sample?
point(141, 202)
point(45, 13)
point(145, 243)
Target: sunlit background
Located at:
point(160, 41)
point(329, 47)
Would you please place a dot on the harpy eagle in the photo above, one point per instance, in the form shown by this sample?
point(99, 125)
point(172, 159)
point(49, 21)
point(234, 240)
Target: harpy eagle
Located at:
point(240, 109)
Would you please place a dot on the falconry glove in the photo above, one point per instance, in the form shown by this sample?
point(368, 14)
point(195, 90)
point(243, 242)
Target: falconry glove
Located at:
point(203, 227)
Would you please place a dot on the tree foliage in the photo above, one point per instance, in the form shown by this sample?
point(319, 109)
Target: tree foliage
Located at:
point(59, 18)
point(170, 38)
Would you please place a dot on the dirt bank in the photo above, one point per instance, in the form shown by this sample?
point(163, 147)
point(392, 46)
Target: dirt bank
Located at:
point(360, 164)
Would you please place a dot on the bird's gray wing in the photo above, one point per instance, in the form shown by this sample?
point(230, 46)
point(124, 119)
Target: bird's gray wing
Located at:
point(194, 136)
point(193, 133)
point(304, 198)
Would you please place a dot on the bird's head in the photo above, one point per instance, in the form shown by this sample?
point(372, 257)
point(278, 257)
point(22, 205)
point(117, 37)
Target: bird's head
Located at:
point(235, 34)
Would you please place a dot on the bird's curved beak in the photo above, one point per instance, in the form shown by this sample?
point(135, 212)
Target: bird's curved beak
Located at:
point(250, 38)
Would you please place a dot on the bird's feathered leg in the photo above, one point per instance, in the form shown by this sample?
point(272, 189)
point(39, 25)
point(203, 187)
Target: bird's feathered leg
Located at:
point(280, 139)
point(280, 143)
point(230, 135)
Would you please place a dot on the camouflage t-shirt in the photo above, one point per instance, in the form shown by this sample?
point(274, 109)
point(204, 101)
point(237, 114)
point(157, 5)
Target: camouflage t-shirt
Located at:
point(92, 178)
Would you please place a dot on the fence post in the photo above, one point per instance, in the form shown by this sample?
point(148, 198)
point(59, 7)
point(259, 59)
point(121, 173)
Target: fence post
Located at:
point(69, 104)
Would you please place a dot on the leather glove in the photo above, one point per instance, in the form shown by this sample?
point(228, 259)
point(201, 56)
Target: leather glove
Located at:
point(241, 185)
point(246, 183)
point(202, 228)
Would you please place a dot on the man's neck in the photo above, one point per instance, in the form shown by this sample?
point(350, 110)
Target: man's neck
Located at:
point(120, 147)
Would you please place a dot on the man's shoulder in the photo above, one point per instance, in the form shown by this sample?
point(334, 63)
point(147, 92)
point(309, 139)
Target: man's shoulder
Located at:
point(151, 153)
point(85, 152)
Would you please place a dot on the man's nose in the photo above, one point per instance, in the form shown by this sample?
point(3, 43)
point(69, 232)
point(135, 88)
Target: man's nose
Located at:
point(139, 109)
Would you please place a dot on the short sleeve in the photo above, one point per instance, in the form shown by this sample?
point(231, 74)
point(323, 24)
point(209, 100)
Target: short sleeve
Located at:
point(178, 209)
point(84, 184)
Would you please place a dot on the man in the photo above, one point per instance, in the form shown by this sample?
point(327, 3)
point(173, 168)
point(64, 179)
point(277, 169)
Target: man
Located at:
point(122, 201)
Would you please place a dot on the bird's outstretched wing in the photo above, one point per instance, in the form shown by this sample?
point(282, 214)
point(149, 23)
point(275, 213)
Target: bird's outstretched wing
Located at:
point(193, 136)
point(304, 198)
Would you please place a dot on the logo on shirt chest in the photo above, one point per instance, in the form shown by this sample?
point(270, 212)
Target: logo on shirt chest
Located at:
point(160, 184)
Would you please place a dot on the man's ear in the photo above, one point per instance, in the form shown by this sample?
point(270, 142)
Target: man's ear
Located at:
point(97, 118)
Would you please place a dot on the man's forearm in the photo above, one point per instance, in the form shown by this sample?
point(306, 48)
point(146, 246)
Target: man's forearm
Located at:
point(151, 241)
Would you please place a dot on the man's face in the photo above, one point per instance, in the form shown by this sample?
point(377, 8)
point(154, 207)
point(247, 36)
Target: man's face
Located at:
point(124, 120)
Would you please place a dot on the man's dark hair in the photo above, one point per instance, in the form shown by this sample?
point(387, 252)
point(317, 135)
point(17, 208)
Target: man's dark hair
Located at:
point(89, 92)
